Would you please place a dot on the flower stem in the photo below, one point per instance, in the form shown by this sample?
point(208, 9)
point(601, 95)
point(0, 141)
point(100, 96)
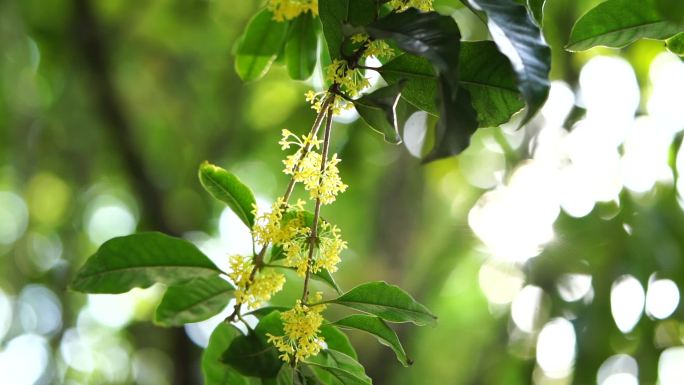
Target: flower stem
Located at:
point(317, 210)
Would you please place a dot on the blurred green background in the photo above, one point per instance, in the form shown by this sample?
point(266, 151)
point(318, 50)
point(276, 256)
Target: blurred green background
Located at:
point(552, 254)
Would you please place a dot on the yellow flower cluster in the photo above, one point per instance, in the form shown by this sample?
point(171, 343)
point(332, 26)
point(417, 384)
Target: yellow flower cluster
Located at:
point(253, 291)
point(268, 227)
point(327, 255)
point(321, 184)
point(402, 5)
point(301, 325)
point(377, 48)
point(289, 9)
point(351, 80)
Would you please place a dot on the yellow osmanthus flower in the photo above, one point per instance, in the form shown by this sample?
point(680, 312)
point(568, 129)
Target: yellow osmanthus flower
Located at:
point(329, 245)
point(377, 48)
point(302, 326)
point(253, 291)
point(268, 227)
point(402, 5)
point(323, 184)
point(289, 9)
point(351, 80)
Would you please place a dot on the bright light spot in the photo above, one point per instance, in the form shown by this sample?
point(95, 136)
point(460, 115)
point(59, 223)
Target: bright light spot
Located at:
point(609, 88)
point(40, 311)
point(500, 283)
point(626, 302)
point(415, 130)
point(670, 367)
point(526, 308)
point(13, 217)
point(667, 79)
point(24, 360)
point(113, 362)
point(76, 352)
point(481, 166)
point(112, 310)
point(235, 236)
point(45, 250)
point(559, 103)
point(372, 76)
point(108, 217)
point(556, 348)
point(152, 367)
point(662, 298)
point(515, 221)
point(573, 287)
point(645, 161)
point(620, 369)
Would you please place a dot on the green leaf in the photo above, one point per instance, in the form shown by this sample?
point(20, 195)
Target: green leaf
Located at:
point(489, 77)
point(337, 340)
point(485, 72)
point(672, 10)
point(522, 41)
point(259, 46)
point(421, 81)
point(379, 329)
point(193, 301)
point(431, 35)
point(141, 260)
point(537, 9)
point(386, 301)
point(285, 376)
point(676, 44)
point(300, 51)
point(266, 310)
point(228, 189)
point(342, 367)
point(336, 14)
point(324, 276)
point(617, 23)
point(377, 109)
point(251, 354)
point(213, 370)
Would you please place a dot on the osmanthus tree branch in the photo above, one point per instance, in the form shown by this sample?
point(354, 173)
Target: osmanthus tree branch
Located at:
point(92, 47)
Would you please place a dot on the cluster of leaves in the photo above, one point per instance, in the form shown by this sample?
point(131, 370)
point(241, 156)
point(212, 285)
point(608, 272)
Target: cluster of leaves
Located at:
point(465, 85)
point(196, 290)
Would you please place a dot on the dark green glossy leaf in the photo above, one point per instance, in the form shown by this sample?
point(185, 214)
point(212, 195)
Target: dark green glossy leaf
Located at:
point(259, 46)
point(522, 41)
point(251, 354)
point(141, 260)
point(342, 367)
point(485, 72)
point(616, 23)
point(266, 310)
point(386, 301)
point(193, 301)
point(228, 189)
point(431, 35)
point(676, 44)
point(337, 340)
point(214, 371)
point(335, 14)
point(300, 50)
point(380, 330)
point(377, 109)
point(457, 122)
point(324, 276)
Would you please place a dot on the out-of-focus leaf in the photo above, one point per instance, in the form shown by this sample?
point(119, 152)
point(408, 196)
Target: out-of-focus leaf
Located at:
point(266, 310)
point(251, 354)
point(421, 80)
point(521, 40)
point(193, 301)
point(388, 302)
point(616, 23)
point(672, 10)
point(337, 340)
point(675, 44)
point(300, 50)
point(214, 371)
point(141, 260)
point(377, 109)
point(379, 329)
point(259, 45)
point(342, 367)
point(228, 189)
